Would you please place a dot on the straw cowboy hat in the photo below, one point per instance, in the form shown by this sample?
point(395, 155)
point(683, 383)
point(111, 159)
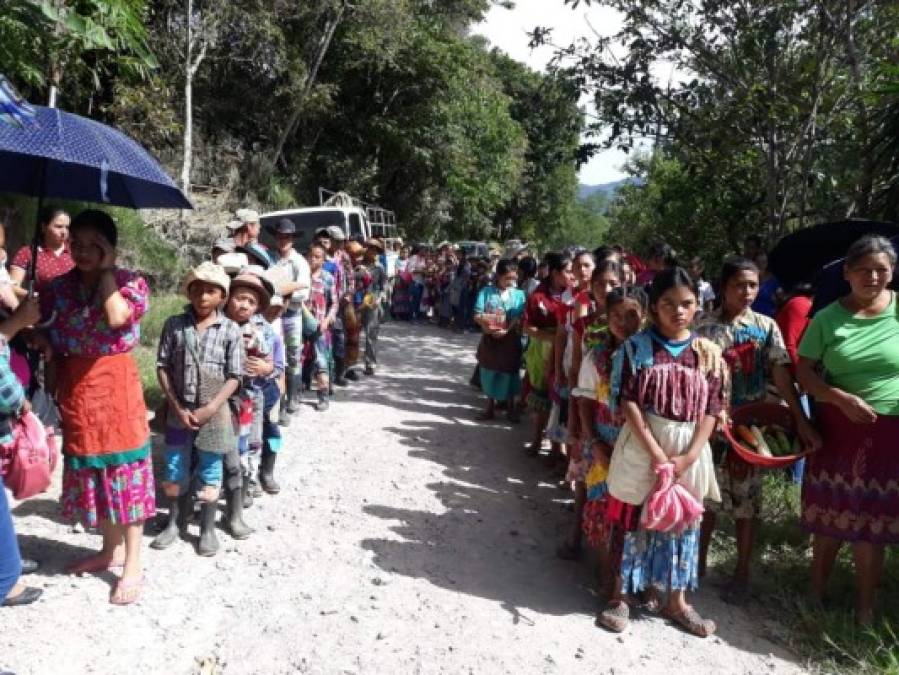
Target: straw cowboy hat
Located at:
point(208, 272)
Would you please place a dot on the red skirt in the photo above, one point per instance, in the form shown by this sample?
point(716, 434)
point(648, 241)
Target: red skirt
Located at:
point(851, 486)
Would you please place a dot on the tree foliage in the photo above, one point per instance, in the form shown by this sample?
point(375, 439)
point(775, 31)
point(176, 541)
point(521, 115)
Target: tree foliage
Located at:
point(391, 100)
point(776, 111)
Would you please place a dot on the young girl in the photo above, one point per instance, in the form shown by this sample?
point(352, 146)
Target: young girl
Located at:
point(540, 322)
point(753, 350)
point(498, 311)
point(587, 331)
point(670, 386)
point(577, 302)
point(603, 524)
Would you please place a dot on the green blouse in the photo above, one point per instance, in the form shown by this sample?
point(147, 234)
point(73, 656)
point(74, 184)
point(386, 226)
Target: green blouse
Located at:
point(860, 355)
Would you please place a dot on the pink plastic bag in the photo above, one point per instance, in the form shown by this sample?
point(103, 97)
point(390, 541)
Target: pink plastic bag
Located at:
point(33, 455)
point(670, 507)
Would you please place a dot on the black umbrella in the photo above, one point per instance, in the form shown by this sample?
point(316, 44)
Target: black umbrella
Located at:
point(799, 256)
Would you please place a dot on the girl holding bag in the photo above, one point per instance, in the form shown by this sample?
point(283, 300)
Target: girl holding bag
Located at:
point(669, 384)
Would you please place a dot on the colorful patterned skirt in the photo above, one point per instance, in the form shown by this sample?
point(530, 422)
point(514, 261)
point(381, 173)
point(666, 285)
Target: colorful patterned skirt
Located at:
point(535, 360)
point(851, 486)
point(108, 472)
point(122, 495)
point(664, 560)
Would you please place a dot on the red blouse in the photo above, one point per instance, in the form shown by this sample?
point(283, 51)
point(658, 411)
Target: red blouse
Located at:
point(544, 307)
point(49, 264)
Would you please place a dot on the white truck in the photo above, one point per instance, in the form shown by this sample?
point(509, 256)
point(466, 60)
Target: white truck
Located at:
point(357, 219)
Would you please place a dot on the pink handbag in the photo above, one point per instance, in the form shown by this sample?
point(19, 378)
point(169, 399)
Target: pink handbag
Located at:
point(33, 455)
point(670, 507)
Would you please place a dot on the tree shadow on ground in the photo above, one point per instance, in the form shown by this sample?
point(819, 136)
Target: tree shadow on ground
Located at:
point(504, 512)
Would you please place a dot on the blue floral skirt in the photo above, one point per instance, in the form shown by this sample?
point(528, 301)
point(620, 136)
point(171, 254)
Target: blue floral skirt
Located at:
point(666, 560)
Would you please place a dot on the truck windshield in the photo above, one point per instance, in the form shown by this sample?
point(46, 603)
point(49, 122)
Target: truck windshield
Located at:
point(356, 225)
point(307, 223)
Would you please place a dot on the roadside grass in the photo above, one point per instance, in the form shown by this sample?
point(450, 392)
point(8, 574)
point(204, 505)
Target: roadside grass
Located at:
point(828, 637)
point(161, 307)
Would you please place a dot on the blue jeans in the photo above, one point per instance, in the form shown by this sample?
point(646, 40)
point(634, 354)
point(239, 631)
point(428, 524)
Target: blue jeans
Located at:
point(10, 561)
point(418, 290)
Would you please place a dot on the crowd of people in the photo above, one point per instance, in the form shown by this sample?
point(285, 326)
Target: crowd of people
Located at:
point(260, 327)
point(631, 371)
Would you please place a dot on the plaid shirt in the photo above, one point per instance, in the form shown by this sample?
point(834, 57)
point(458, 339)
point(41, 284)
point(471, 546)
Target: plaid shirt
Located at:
point(220, 350)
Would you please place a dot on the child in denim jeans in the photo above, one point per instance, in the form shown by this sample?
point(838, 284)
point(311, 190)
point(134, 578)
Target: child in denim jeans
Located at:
point(198, 364)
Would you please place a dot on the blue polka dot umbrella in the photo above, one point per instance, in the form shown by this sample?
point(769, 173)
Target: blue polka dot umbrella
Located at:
point(57, 155)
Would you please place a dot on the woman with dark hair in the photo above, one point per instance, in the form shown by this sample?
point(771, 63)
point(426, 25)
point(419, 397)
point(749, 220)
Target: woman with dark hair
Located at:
point(846, 493)
point(108, 474)
point(755, 354)
point(498, 311)
point(53, 255)
point(541, 317)
point(660, 257)
point(527, 275)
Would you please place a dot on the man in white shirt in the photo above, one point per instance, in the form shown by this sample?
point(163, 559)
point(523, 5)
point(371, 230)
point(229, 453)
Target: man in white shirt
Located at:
point(293, 279)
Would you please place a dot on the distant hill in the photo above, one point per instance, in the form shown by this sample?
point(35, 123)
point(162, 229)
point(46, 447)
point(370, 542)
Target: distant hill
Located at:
point(608, 189)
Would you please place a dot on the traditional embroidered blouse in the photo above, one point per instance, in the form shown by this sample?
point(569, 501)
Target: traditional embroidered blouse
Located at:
point(80, 328)
point(682, 382)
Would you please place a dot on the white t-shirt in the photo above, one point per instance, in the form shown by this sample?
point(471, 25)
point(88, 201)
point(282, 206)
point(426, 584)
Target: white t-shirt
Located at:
point(297, 269)
point(706, 294)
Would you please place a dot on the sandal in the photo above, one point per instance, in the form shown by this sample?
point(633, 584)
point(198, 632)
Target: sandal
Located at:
point(93, 565)
point(127, 592)
point(615, 616)
point(690, 620)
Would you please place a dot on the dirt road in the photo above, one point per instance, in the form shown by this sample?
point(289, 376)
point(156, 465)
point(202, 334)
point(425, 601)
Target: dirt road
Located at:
point(407, 539)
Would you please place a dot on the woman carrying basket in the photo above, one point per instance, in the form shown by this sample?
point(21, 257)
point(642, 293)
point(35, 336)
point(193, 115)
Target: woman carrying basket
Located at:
point(754, 351)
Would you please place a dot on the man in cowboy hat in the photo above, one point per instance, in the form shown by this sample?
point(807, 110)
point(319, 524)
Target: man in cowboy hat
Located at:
point(250, 220)
point(371, 305)
point(292, 270)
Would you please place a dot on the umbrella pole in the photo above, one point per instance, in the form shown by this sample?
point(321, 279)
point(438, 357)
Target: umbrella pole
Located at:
point(35, 240)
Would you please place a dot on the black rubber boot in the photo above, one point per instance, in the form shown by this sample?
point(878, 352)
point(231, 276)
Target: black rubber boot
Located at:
point(267, 472)
point(322, 404)
point(236, 526)
point(339, 378)
point(351, 375)
point(247, 494)
point(293, 393)
point(283, 415)
point(180, 511)
point(209, 543)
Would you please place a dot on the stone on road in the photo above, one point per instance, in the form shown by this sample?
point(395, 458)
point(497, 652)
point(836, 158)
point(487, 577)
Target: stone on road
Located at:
point(407, 539)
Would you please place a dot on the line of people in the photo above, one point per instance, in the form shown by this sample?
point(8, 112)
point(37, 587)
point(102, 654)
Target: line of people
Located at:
point(630, 372)
point(259, 324)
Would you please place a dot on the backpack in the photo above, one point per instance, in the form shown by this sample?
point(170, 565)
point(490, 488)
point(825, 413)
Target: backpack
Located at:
point(34, 453)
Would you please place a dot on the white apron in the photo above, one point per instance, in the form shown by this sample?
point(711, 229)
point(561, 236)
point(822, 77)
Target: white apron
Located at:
point(631, 477)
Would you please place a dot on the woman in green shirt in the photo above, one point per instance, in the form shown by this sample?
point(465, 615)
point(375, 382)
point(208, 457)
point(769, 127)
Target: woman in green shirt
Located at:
point(851, 487)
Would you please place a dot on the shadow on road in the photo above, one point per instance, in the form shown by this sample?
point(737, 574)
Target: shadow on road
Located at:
point(503, 512)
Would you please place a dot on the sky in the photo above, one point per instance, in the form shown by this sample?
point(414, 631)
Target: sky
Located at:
point(507, 30)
